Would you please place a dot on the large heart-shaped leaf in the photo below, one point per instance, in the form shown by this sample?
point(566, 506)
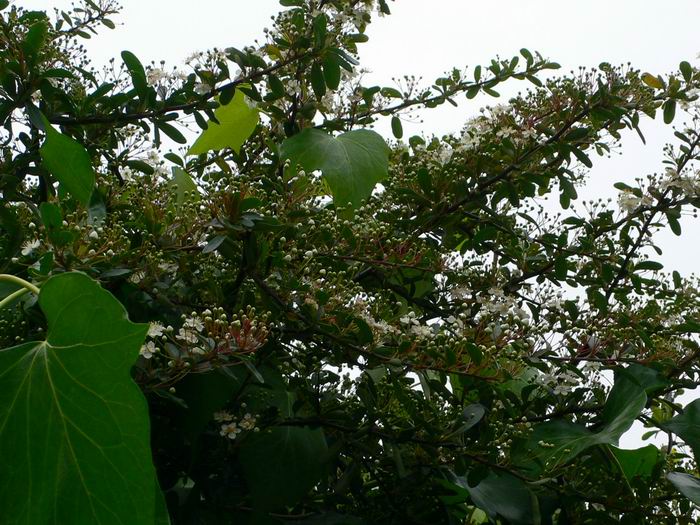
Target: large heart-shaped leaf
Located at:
point(352, 163)
point(237, 120)
point(74, 427)
point(68, 161)
point(280, 464)
point(559, 441)
point(499, 494)
point(637, 463)
point(687, 426)
point(688, 485)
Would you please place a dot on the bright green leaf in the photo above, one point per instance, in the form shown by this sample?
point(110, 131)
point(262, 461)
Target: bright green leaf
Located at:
point(68, 161)
point(237, 121)
point(652, 81)
point(638, 462)
point(74, 428)
point(352, 163)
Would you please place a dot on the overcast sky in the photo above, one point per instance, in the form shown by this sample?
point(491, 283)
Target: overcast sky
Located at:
point(427, 38)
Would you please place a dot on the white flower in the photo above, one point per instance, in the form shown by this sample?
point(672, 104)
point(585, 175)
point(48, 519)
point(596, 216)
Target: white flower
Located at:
point(628, 201)
point(248, 422)
point(29, 247)
point(155, 330)
point(148, 350)
point(155, 75)
point(93, 235)
point(229, 430)
point(186, 335)
point(137, 277)
point(194, 323)
point(223, 415)
point(201, 88)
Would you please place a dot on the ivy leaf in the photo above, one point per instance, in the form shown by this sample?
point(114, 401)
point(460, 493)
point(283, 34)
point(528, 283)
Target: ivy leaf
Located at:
point(280, 464)
point(499, 494)
point(237, 121)
point(68, 161)
point(687, 426)
point(352, 163)
point(564, 440)
point(636, 463)
point(686, 484)
point(74, 427)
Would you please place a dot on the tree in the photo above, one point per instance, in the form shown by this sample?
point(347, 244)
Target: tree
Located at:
point(293, 319)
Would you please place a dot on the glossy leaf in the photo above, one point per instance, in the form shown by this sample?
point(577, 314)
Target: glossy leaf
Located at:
point(557, 442)
point(687, 485)
point(69, 162)
point(352, 163)
point(74, 429)
point(237, 121)
point(687, 425)
point(637, 463)
point(137, 72)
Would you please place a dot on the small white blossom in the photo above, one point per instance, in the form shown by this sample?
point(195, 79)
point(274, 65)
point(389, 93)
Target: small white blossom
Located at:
point(155, 329)
point(30, 246)
point(230, 430)
point(148, 350)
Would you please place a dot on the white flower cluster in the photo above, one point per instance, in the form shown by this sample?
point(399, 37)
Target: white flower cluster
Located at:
point(155, 330)
point(561, 383)
point(230, 428)
point(629, 202)
point(477, 128)
point(415, 327)
point(689, 184)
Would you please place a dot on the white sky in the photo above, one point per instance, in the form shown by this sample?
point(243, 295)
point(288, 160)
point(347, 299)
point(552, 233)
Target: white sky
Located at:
point(427, 38)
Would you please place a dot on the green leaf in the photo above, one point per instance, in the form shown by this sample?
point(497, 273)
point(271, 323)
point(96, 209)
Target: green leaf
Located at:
point(318, 83)
point(557, 442)
point(686, 71)
point(280, 464)
point(669, 111)
point(652, 81)
point(205, 394)
point(686, 484)
point(352, 163)
point(637, 463)
point(74, 427)
point(34, 40)
point(648, 265)
point(237, 121)
point(502, 495)
point(68, 161)
point(184, 187)
point(687, 426)
point(396, 127)
point(138, 74)
point(331, 71)
point(172, 132)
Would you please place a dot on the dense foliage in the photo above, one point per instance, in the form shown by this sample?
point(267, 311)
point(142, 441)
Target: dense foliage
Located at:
point(301, 321)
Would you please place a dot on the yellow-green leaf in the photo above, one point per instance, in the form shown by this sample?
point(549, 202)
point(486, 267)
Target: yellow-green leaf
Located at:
point(237, 121)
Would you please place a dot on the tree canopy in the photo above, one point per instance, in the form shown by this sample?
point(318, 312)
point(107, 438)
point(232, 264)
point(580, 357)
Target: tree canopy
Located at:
point(226, 298)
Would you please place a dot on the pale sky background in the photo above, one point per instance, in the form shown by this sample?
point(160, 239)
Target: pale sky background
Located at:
point(427, 38)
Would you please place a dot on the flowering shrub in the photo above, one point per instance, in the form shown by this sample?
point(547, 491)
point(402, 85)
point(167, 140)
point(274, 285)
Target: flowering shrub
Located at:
point(226, 299)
